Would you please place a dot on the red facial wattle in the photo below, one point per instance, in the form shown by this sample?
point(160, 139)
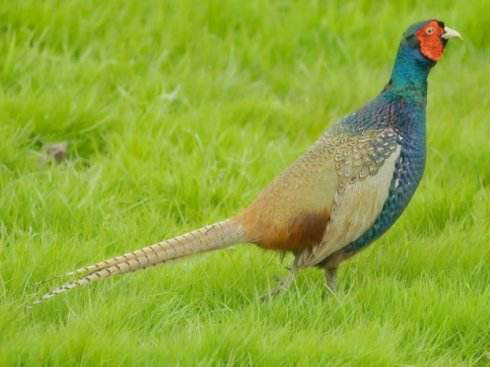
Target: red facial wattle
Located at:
point(431, 41)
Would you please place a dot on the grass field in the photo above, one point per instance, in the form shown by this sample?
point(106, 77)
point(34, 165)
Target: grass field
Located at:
point(177, 113)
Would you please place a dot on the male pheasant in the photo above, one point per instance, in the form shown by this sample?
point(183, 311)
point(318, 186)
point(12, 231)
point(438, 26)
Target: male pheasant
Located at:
point(340, 196)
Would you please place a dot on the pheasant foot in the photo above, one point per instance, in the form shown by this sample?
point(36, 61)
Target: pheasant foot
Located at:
point(282, 285)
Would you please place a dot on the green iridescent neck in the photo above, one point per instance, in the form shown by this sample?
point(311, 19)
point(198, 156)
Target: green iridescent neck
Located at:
point(410, 72)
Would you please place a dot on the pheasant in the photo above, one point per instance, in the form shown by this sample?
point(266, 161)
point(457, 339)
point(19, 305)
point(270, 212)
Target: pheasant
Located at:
point(348, 188)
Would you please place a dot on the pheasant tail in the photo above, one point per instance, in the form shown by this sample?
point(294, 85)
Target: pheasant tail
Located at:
point(216, 236)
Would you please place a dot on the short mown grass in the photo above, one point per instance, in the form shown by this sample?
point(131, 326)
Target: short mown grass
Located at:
point(177, 113)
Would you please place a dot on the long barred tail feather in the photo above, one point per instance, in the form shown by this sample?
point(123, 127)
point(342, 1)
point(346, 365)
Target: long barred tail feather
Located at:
point(216, 236)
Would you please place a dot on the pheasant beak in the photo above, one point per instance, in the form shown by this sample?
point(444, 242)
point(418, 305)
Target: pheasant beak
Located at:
point(451, 33)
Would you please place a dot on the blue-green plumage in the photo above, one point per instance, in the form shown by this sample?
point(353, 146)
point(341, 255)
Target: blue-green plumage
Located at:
point(408, 172)
point(401, 107)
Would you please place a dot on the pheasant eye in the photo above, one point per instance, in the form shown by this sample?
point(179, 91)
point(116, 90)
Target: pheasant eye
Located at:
point(429, 30)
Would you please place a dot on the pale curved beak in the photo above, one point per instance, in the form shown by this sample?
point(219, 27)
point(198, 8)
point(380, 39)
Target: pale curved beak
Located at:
point(451, 33)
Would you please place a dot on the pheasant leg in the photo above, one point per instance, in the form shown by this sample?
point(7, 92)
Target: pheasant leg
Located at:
point(331, 278)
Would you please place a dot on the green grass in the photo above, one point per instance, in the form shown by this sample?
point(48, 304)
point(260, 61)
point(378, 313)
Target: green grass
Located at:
point(177, 113)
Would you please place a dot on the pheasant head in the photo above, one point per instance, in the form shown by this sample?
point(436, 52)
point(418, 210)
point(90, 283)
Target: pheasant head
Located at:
point(422, 45)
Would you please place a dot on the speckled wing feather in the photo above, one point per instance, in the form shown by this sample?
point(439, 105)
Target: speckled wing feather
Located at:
point(364, 164)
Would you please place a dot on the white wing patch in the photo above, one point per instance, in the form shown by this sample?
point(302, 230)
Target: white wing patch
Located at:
point(355, 210)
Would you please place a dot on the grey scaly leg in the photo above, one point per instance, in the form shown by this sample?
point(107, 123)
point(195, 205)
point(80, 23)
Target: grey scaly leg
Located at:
point(331, 278)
